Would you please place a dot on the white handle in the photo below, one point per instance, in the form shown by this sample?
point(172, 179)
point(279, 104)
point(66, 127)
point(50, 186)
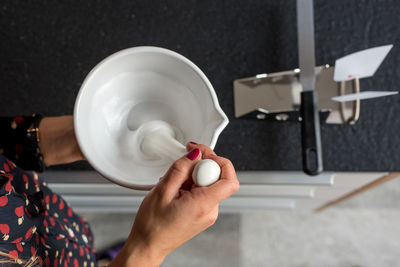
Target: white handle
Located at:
point(206, 172)
point(162, 145)
point(158, 141)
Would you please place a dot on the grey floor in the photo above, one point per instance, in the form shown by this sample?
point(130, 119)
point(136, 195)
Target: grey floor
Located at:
point(363, 231)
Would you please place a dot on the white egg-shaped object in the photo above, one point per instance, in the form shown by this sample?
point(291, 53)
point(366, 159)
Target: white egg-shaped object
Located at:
point(206, 172)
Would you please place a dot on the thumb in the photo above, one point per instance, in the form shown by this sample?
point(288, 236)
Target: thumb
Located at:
point(179, 172)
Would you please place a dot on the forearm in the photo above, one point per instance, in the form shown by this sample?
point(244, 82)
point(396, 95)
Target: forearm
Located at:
point(57, 140)
point(54, 142)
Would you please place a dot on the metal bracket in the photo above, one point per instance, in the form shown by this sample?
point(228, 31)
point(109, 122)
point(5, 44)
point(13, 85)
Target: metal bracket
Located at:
point(276, 96)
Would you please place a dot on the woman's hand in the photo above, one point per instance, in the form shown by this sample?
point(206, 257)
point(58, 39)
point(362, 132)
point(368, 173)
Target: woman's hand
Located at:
point(57, 140)
point(176, 210)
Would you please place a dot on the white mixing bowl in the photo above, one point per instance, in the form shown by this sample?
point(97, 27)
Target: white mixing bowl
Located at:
point(134, 86)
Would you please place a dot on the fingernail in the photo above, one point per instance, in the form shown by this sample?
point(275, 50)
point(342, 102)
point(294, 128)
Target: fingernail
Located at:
point(193, 143)
point(193, 154)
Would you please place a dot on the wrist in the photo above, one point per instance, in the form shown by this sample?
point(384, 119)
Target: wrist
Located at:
point(138, 254)
point(57, 140)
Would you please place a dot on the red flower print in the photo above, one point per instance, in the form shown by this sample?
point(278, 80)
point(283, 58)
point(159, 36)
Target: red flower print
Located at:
point(26, 181)
point(54, 199)
point(47, 262)
point(5, 230)
point(19, 247)
point(81, 252)
point(69, 212)
point(61, 205)
point(76, 263)
point(28, 233)
point(14, 254)
point(47, 199)
point(6, 167)
point(11, 164)
point(52, 221)
point(75, 246)
point(46, 225)
point(19, 119)
point(33, 251)
point(42, 241)
point(8, 186)
point(62, 253)
point(17, 240)
point(19, 211)
point(3, 201)
point(9, 176)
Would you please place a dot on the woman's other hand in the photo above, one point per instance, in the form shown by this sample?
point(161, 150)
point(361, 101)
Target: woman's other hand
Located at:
point(57, 140)
point(175, 210)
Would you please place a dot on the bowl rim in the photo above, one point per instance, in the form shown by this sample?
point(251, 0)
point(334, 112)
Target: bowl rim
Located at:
point(134, 50)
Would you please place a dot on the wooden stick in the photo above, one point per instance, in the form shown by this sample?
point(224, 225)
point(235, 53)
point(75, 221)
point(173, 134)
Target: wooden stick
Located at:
point(364, 188)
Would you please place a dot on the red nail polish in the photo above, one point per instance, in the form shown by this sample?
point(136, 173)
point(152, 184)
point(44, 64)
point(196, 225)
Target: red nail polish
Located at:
point(192, 155)
point(193, 143)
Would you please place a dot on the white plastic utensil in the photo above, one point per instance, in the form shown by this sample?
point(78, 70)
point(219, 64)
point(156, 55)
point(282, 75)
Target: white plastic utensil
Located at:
point(157, 139)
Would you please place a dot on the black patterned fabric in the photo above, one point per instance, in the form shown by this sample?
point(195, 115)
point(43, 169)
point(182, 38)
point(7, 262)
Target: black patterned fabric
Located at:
point(34, 221)
point(16, 145)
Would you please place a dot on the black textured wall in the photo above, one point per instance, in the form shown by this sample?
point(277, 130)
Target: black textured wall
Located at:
point(48, 47)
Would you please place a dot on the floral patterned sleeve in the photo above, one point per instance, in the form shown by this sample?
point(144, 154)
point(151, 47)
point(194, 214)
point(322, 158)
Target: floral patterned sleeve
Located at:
point(18, 144)
point(36, 222)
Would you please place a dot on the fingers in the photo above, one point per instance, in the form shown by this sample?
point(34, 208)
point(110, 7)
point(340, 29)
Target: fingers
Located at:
point(227, 185)
point(178, 177)
point(228, 182)
point(205, 150)
point(180, 171)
